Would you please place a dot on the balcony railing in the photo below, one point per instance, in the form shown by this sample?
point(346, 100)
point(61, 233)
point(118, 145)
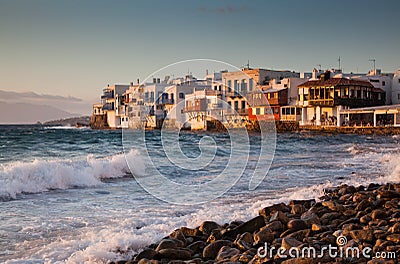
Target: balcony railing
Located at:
point(195, 108)
point(165, 101)
point(242, 112)
point(107, 95)
point(108, 107)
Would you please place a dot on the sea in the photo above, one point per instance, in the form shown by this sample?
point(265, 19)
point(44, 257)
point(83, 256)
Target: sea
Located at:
point(67, 195)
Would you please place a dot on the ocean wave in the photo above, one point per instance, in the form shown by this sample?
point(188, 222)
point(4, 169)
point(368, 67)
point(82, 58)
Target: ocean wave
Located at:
point(44, 175)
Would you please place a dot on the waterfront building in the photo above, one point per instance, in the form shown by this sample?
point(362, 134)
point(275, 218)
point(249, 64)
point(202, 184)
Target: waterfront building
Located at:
point(396, 87)
point(322, 100)
point(265, 104)
point(113, 104)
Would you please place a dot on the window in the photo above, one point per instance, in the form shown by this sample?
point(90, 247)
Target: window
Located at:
point(243, 104)
point(236, 86)
point(181, 96)
point(251, 84)
point(236, 105)
point(398, 80)
point(398, 96)
point(383, 83)
point(229, 85)
point(258, 112)
point(230, 104)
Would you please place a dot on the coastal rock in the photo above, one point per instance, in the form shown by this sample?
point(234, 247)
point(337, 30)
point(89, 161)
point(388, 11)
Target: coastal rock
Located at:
point(297, 224)
point(310, 218)
point(279, 216)
point(388, 194)
point(264, 235)
point(298, 209)
point(378, 214)
point(197, 246)
point(178, 235)
point(395, 228)
point(167, 243)
point(244, 241)
point(147, 253)
point(362, 235)
point(191, 232)
point(333, 206)
point(208, 226)
point(267, 211)
point(250, 226)
point(299, 261)
point(175, 253)
point(147, 261)
point(211, 251)
point(394, 238)
point(289, 242)
point(306, 203)
point(275, 226)
point(226, 253)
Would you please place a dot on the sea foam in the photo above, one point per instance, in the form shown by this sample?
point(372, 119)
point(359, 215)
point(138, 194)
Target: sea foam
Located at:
point(44, 175)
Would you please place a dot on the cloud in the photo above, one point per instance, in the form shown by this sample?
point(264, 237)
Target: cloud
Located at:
point(33, 95)
point(66, 103)
point(223, 9)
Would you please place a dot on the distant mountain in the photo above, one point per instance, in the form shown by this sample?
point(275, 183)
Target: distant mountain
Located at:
point(73, 121)
point(25, 113)
point(68, 104)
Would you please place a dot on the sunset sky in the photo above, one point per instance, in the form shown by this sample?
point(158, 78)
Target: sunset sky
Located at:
point(75, 48)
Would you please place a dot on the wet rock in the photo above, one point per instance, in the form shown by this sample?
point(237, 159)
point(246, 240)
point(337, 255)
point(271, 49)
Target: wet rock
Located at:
point(147, 261)
point(297, 224)
point(264, 235)
point(333, 206)
point(395, 228)
point(197, 246)
point(208, 226)
point(310, 218)
point(267, 211)
point(147, 253)
point(365, 219)
point(178, 235)
point(363, 235)
point(378, 214)
point(175, 253)
point(211, 251)
point(326, 218)
point(167, 243)
point(250, 226)
point(298, 209)
point(244, 241)
point(279, 216)
point(191, 232)
point(388, 194)
point(289, 242)
point(275, 226)
point(226, 253)
point(394, 238)
point(306, 203)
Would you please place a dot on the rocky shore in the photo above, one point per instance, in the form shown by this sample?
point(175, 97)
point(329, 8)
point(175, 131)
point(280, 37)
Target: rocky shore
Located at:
point(347, 219)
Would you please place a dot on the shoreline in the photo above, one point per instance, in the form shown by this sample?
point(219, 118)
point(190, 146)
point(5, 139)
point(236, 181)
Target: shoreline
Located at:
point(365, 217)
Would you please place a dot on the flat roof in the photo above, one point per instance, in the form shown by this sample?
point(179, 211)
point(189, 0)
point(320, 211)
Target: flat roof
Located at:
point(372, 109)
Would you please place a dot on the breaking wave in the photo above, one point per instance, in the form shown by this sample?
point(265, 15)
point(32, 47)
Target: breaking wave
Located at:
point(45, 175)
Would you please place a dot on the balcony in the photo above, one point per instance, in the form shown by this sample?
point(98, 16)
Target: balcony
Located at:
point(108, 107)
point(165, 101)
point(194, 108)
point(107, 95)
point(241, 112)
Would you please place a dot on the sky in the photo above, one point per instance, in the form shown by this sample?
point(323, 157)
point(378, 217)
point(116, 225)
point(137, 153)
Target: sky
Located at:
point(75, 48)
